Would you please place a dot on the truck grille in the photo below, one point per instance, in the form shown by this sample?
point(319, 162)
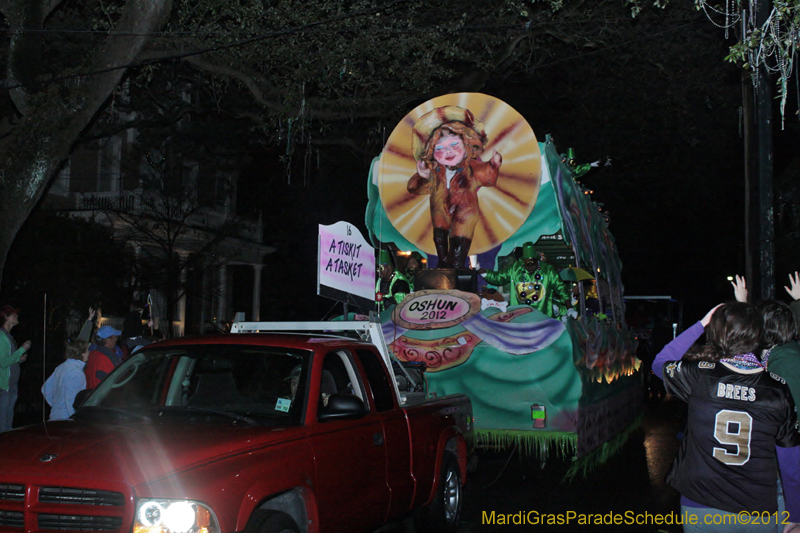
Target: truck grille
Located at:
point(79, 522)
point(11, 519)
point(69, 495)
point(32, 509)
point(14, 493)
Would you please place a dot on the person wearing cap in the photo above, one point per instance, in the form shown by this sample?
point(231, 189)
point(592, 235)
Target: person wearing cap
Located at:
point(10, 358)
point(447, 143)
point(103, 358)
point(533, 282)
point(392, 286)
point(133, 331)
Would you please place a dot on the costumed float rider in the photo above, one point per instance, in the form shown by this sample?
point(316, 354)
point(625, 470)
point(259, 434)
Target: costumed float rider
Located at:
point(580, 170)
point(392, 285)
point(414, 264)
point(593, 305)
point(533, 282)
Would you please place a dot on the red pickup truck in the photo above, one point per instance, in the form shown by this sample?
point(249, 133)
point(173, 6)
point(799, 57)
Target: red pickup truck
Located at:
point(254, 433)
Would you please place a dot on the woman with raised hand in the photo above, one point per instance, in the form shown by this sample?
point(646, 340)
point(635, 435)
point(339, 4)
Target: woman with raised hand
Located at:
point(781, 354)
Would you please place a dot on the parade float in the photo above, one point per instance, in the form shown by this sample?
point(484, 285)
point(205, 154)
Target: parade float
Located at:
point(543, 377)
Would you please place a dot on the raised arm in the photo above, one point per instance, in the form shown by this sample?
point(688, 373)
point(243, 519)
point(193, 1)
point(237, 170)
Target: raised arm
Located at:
point(496, 277)
point(794, 286)
point(794, 291)
point(676, 349)
point(740, 289)
point(86, 329)
point(420, 183)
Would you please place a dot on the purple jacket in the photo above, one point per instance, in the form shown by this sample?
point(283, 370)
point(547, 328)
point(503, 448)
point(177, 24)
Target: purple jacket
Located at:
point(675, 350)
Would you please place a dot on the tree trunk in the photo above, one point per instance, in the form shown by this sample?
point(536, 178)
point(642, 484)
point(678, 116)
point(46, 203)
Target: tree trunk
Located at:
point(55, 115)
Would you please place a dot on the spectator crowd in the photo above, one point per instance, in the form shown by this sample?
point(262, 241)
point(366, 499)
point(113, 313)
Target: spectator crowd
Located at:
point(89, 357)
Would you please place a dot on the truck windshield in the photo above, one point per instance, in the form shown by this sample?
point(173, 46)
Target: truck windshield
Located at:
point(251, 384)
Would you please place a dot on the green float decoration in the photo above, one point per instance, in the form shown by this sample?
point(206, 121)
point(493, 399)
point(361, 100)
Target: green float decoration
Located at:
point(567, 386)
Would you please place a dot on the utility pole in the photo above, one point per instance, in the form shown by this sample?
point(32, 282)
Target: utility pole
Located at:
point(759, 227)
point(751, 223)
point(763, 102)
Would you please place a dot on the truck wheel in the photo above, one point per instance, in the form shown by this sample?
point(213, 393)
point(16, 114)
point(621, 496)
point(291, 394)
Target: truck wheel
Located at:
point(443, 513)
point(272, 522)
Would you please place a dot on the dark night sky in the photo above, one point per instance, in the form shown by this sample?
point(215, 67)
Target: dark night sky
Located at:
point(664, 106)
point(675, 188)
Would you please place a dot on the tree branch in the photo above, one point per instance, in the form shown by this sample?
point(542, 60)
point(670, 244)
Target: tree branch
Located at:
point(32, 153)
point(251, 81)
point(53, 4)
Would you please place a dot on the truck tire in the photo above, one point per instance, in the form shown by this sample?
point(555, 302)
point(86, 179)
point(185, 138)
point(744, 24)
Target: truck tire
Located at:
point(472, 463)
point(272, 522)
point(444, 512)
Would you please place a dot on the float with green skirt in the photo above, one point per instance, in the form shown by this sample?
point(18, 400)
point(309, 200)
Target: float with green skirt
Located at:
point(547, 381)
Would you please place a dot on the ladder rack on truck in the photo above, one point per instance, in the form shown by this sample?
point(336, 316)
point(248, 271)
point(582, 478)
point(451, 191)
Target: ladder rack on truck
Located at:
point(367, 331)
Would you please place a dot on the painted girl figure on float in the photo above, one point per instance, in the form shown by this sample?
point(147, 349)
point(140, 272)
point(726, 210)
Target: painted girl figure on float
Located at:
point(447, 143)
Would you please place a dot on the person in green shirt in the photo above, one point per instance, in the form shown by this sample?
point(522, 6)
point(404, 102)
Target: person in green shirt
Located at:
point(780, 330)
point(782, 352)
point(10, 358)
point(392, 286)
point(782, 357)
point(533, 282)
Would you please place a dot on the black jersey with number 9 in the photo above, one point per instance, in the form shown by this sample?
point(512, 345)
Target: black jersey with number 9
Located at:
point(736, 417)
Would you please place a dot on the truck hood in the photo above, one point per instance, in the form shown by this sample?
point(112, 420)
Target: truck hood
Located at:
point(133, 453)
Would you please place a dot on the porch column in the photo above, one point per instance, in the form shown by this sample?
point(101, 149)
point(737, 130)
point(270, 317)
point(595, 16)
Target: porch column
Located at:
point(180, 327)
point(256, 316)
point(222, 289)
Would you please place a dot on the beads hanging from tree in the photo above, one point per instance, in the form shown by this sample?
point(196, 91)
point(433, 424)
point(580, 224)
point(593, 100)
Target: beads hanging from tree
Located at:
point(772, 45)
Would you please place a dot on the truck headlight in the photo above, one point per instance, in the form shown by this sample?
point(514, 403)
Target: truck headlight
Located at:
point(174, 516)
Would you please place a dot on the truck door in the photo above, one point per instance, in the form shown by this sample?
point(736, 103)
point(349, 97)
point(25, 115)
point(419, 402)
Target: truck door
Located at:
point(395, 428)
point(350, 455)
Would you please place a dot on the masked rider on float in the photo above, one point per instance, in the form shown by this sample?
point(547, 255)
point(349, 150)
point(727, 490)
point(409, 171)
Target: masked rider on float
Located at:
point(392, 286)
point(533, 282)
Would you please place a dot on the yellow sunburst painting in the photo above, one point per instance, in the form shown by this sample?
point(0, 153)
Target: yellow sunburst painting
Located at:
point(502, 208)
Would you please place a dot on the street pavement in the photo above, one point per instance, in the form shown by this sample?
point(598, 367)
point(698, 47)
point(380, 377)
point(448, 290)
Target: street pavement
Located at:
point(630, 484)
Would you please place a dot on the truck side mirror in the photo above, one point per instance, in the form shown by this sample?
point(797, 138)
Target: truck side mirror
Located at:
point(342, 407)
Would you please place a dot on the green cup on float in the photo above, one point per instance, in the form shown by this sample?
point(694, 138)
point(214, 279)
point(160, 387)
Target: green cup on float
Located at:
point(539, 415)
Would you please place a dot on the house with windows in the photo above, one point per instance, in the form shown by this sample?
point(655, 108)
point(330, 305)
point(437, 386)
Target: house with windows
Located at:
point(195, 259)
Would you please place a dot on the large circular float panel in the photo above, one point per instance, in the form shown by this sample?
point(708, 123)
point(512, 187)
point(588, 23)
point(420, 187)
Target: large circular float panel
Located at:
point(502, 208)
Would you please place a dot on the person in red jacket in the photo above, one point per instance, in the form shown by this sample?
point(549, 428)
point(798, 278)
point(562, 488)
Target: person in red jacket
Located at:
point(103, 359)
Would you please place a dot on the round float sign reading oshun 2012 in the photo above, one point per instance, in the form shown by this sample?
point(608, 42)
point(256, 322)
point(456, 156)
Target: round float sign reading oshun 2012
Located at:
point(436, 309)
point(491, 127)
